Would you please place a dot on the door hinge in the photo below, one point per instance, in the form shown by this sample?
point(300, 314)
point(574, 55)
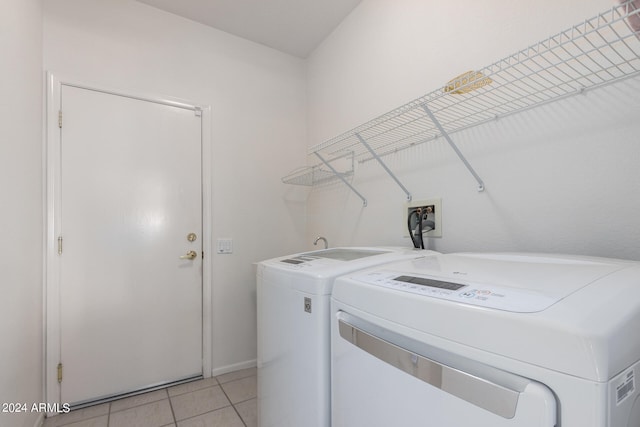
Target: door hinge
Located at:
point(60, 119)
point(59, 372)
point(60, 245)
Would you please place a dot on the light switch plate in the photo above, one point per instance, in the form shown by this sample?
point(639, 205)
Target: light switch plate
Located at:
point(225, 246)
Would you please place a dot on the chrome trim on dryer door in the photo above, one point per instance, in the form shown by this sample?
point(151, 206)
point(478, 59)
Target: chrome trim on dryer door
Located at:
point(478, 391)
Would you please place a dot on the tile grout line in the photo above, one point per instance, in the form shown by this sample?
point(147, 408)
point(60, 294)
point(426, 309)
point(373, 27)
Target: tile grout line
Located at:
point(169, 397)
point(136, 405)
point(232, 404)
point(217, 384)
point(200, 415)
point(85, 419)
point(175, 421)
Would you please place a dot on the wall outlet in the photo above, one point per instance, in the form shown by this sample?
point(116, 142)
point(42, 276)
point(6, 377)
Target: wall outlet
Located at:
point(430, 210)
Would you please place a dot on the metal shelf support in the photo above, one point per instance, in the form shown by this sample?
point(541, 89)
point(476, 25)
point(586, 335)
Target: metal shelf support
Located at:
point(384, 166)
point(339, 175)
point(454, 146)
point(596, 52)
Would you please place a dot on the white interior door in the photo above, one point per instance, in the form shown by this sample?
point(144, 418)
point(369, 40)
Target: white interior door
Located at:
point(130, 183)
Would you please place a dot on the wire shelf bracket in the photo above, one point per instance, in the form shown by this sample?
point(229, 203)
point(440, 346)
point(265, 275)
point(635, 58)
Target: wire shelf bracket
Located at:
point(384, 166)
point(318, 174)
point(455, 148)
point(342, 178)
point(599, 51)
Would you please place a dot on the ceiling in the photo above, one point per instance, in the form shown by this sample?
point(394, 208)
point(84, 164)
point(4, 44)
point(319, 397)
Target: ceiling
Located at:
point(296, 27)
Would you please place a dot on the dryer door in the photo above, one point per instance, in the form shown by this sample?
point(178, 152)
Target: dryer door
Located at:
point(378, 381)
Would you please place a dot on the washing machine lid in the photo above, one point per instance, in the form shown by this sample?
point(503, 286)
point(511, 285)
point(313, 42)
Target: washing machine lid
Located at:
point(315, 272)
point(574, 315)
point(523, 283)
point(339, 254)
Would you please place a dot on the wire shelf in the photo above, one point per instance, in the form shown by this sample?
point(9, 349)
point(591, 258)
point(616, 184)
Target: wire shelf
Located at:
point(340, 167)
point(599, 51)
point(313, 175)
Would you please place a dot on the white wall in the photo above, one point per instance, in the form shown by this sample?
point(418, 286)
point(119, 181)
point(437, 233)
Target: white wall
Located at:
point(559, 178)
point(21, 212)
point(258, 101)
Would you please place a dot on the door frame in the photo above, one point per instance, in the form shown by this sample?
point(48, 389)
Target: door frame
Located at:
point(52, 199)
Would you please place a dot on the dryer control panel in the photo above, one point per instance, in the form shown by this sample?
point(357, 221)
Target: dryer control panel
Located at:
point(466, 292)
point(328, 257)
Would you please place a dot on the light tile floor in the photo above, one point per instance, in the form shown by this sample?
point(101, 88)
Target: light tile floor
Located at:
point(225, 401)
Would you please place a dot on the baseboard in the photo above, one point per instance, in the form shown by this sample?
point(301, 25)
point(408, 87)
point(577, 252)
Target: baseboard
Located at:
point(235, 367)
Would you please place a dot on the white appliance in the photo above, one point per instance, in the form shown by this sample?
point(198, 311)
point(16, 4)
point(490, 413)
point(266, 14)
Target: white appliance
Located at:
point(294, 330)
point(487, 340)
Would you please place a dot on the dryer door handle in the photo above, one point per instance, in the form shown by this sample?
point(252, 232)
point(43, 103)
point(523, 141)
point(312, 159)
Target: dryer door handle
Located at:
point(481, 392)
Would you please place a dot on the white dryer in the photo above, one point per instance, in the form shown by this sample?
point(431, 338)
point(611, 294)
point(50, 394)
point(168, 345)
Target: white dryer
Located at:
point(294, 330)
point(488, 340)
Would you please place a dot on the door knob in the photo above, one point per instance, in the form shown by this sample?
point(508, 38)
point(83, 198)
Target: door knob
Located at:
point(189, 255)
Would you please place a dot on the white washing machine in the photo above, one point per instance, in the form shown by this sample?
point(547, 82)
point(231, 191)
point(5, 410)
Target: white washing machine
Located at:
point(487, 340)
point(294, 330)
